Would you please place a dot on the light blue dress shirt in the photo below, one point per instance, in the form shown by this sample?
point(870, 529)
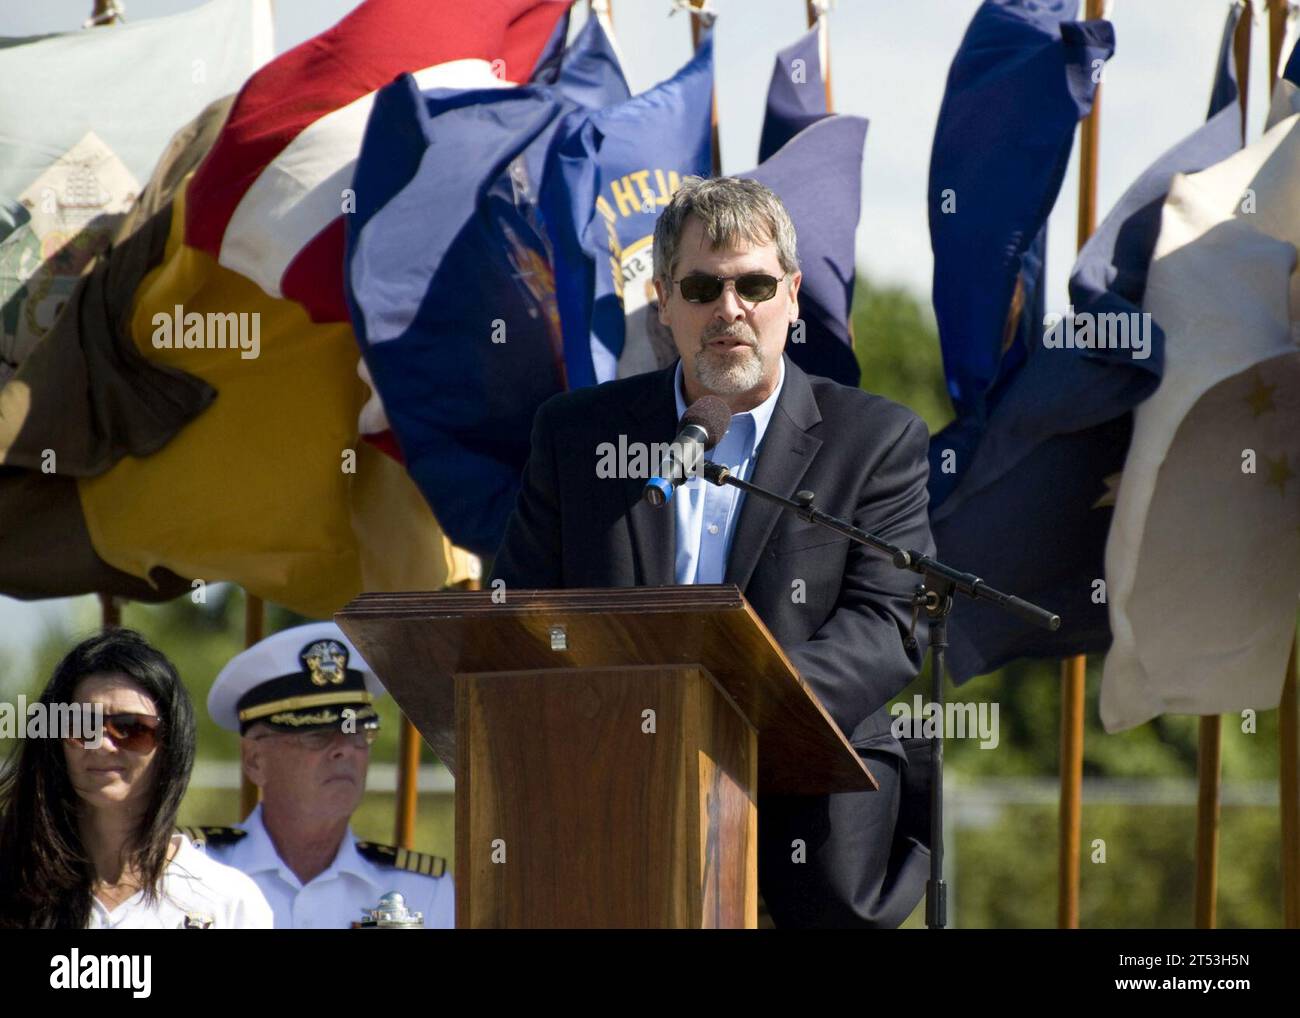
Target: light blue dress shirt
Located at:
point(707, 513)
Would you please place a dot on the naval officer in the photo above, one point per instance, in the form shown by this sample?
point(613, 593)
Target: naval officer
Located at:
point(303, 702)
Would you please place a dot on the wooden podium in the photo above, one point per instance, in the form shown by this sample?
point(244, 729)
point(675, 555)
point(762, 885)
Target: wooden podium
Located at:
point(608, 746)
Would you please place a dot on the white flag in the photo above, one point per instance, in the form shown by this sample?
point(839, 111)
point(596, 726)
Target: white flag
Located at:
point(85, 117)
point(1203, 556)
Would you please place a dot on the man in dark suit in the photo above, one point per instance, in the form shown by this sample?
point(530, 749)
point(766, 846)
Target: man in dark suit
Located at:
point(727, 279)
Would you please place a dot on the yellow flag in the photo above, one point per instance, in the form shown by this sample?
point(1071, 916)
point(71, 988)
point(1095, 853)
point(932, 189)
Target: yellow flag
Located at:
point(270, 487)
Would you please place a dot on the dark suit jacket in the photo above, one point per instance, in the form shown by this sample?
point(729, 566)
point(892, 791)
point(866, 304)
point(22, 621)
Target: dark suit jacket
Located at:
point(863, 456)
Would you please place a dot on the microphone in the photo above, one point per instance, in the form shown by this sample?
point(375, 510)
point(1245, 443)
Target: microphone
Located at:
point(701, 428)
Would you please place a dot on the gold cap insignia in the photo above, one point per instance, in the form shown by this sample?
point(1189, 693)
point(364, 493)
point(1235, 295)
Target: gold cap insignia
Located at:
point(327, 662)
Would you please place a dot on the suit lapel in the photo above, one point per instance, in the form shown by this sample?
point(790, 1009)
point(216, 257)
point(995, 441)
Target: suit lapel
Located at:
point(787, 452)
point(653, 418)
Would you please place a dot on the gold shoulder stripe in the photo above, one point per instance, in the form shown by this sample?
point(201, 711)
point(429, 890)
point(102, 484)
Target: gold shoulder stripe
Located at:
point(209, 836)
point(403, 859)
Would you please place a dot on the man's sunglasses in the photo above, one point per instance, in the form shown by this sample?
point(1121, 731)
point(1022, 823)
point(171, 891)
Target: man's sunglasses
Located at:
point(136, 732)
point(754, 287)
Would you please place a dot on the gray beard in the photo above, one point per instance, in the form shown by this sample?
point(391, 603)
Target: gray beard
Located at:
point(729, 380)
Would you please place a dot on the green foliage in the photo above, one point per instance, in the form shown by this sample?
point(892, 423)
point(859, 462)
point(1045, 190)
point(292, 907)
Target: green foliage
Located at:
point(897, 345)
point(1005, 873)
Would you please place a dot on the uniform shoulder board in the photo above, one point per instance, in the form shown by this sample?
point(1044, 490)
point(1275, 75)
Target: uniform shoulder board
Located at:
point(402, 859)
point(208, 837)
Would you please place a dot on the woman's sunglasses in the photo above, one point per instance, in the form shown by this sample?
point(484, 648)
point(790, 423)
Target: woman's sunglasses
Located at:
point(754, 287)
point(136, 732)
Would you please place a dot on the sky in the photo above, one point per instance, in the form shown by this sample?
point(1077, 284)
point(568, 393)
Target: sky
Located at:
point(889, 61)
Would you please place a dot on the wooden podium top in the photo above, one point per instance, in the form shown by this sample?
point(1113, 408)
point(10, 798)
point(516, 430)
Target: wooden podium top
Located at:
point(416, 642)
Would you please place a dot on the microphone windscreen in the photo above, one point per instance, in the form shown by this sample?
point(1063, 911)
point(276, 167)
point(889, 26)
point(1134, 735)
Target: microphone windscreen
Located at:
point(710, 413)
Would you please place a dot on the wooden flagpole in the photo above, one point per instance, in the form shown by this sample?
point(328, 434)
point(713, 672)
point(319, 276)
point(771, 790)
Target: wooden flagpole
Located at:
point(1289, 790)
point(105, 12)
point(1278, 11)
point(1288, 742)
point(1074, 669)
point(110, 611)
point(1209, 746)
point(409, 746)
point(254, 629)
point(816, 9)
point(697, 32)
point(408, 783)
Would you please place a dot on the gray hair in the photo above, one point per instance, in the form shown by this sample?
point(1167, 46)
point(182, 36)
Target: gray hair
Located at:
point(731, 209)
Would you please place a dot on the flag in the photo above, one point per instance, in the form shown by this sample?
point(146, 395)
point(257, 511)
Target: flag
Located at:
point(818, 177)
point(85, 117)
point(796, 95)
point(1203, 557)
point(449, 278)
point(1022, 78)
point(320, 516)
point(269, 486)
point(48, 438)
point(609, 174)
point(269, 200)
point(1032, 511)
point(83, 125)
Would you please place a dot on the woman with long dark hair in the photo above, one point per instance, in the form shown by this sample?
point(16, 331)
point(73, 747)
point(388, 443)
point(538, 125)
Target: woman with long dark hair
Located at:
point(87, 825)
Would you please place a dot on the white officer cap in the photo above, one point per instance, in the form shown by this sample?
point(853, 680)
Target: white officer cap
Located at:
point(296, 680)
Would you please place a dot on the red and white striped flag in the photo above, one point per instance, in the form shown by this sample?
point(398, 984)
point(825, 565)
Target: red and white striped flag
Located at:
point(268, 201)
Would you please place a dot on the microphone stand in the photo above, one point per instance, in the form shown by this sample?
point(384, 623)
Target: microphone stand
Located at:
point(933, 595)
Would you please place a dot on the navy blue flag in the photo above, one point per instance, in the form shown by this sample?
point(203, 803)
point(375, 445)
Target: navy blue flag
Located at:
point(1033, 508)
point(449, 282)
point(1022, 78)
point(818, 177)
point(796, 97)
point(610, 173)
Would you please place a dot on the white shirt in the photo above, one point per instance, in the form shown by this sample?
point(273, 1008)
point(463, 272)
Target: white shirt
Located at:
point(194, 888)
point(335, 898)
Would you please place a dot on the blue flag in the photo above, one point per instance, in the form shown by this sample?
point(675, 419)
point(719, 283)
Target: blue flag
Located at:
point(1032, 511)
point(796, 97)
point(818, 177)
point(449, 281)
point(1019, 83)
point(610, 173)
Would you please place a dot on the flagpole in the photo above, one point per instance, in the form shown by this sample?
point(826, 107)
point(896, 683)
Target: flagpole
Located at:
point(1288, 741)
point(698, 24)
point(1289, 788)
point(408, 783)
point(817, 10)
point(1278, 11)
point(1241, 57)
point(105, 12)
point(110, 611)
point(1074, 669)
point(1209, 743)
point(254, 627)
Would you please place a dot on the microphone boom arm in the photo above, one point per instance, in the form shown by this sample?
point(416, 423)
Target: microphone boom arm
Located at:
point(945, 576)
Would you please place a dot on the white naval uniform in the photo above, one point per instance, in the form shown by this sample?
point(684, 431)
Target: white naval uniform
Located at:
point(194, 887)
point(335, 898)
